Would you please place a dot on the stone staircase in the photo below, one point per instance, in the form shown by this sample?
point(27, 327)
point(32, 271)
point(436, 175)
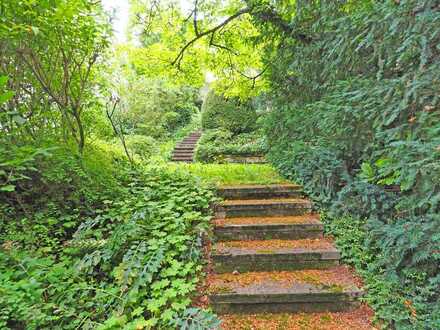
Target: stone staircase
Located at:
point(270, 256)
point(184, 150)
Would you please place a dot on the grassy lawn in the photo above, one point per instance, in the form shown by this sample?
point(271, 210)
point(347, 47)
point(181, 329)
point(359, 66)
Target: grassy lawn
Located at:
point(227, 174)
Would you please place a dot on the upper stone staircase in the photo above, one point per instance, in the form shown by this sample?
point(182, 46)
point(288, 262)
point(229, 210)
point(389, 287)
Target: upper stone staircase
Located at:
point(184, 150)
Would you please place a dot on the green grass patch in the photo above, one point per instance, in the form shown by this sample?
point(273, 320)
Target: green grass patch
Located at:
point(224, 174)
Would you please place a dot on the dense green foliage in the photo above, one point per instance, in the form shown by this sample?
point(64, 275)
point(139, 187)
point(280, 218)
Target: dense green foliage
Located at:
point(153, 108)
point(230, 114)
point(216, 145)
point(356, 120)
point(52, 71)
point(352, 239)
point(230, 128)
point(166, 32)
point(232, 174)
point(92, 234)
point(103, 246)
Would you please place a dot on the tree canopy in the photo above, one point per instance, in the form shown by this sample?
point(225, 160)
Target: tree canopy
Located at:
point(99, 230)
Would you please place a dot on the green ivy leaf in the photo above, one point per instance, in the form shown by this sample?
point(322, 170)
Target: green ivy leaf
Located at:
point(8, 188)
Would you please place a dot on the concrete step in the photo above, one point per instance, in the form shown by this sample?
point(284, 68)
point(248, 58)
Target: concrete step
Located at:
point(190, 159)
point(280, 292)
point(194, 139)
point(260, 191)
point(186, 145)
point(184, 148)
point(183, 154)
point(360, 318)
point(182, 160)
point(263, 207)
point(261, 228)
point(183, 151)
point(270, 255)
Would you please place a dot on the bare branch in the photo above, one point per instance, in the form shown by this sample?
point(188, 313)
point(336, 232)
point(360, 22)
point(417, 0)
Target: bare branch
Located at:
point(119, 132)
point(254, 78)
point(200, 35)
point(196, 29)
point(213, 44)
point(148, 21)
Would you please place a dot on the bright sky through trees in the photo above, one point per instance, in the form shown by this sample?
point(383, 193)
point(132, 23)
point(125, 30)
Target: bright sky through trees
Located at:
point(121, 9)
point(121, 16)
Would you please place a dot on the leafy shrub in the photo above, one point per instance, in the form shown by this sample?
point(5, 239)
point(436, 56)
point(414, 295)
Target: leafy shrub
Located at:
point(87, 240)
point(153, 108)
point(153, 247)
point(53, 187)
point(231, 114)
point(53, 91)
point(352, 239)
point(117, 248)
point(143, 146)
point(214, 145)
point(318, 169)
point(357, 123)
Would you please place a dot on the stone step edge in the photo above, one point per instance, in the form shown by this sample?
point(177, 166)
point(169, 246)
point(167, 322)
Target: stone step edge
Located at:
point(293, 254)
point(304, 296)
point(268, 232)
point(284, 303)
point(257, 226)
point(277, 308)
point(260, 202)
point(270, 292)
point(271, 187)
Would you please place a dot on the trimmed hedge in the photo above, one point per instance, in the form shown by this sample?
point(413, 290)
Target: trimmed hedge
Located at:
point(215, 145)
point(231, 114)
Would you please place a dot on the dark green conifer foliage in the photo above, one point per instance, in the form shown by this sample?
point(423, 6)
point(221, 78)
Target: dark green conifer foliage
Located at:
point(356, 119)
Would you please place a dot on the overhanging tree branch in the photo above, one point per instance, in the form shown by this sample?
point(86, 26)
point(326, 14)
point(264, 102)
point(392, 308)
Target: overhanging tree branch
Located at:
point(196, 29)
point(265, 15)
point(214, 44)
point(200, 35)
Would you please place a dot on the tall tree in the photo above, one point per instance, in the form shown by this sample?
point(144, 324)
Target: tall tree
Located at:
point(49, 50)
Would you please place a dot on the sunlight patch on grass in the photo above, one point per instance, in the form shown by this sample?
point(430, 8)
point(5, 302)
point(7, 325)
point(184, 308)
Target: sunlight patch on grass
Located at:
point(226, 174)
